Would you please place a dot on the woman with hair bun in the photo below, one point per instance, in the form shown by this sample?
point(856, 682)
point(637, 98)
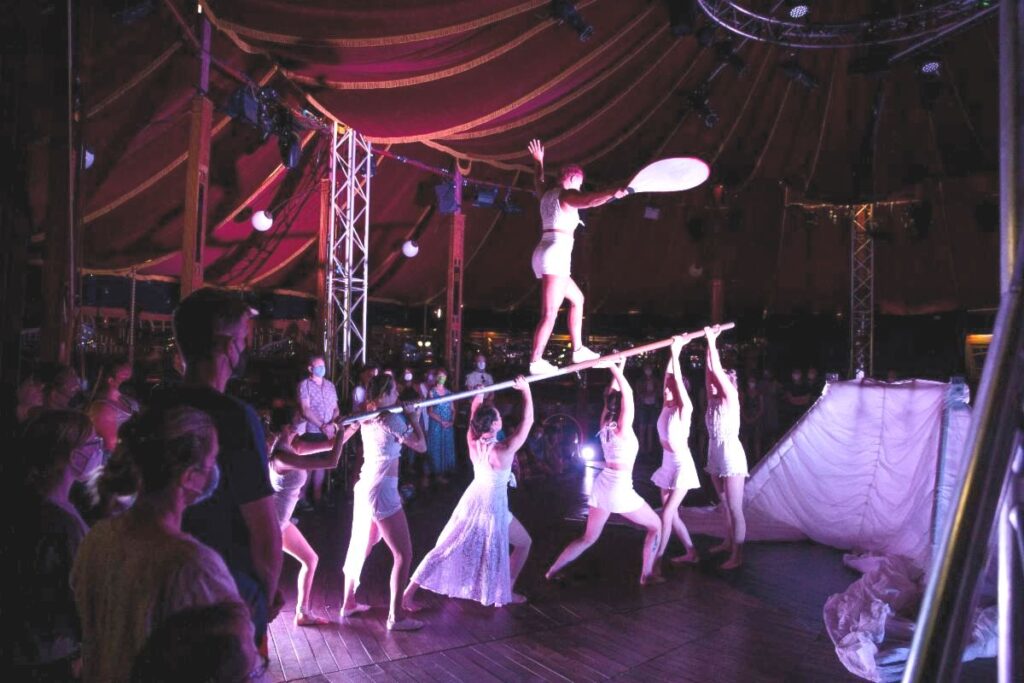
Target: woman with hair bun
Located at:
point(471, 558)
point(135, 570)
point(613, 487)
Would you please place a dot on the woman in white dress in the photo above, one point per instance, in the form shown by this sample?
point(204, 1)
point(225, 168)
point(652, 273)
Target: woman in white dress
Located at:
point(471, 558)
point(613, 487)
point(376, 505)
point(552, 258)
point(290, 462)
point(677, 473)
point(727, 463)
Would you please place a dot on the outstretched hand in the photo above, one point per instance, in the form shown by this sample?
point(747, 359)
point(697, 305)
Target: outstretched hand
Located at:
point(621, 192)
point(521, 384)
point(678, 342)
point(712, 333)
point(536, 149)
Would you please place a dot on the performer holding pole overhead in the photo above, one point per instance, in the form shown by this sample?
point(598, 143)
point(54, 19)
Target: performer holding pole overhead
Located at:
point(559, 211)
point(727, 463)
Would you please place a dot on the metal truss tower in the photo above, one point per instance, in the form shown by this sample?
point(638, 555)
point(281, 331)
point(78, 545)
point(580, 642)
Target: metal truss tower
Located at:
point(862, 291)
point(348, 262)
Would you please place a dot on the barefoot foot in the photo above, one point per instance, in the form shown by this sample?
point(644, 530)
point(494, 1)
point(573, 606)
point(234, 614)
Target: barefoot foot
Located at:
point(651, 579)
point(723, 547)
point(517, 599)
point(691, 557)
point(732, 563)
point(411, 605)
point(352, 610)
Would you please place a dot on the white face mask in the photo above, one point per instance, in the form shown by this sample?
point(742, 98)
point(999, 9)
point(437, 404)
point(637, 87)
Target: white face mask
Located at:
point(481, 365)
point(407, 377)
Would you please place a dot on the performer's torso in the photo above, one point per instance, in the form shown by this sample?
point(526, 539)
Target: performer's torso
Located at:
point(554, 217)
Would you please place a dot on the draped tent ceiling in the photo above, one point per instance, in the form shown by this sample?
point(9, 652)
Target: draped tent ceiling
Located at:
point(476, 80)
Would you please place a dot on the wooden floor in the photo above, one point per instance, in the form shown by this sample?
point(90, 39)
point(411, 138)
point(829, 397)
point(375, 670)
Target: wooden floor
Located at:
point(760, 623)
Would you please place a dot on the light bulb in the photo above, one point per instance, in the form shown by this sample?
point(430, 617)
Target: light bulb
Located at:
point(262, 221)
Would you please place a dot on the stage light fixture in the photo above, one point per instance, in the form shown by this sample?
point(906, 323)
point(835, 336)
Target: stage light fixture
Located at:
point(445, 192)
point(410, 248)
point(930, 67)
point(799, 75)
point(486, 197)
point(797, 10)
point(565, 12)
point(262, 221)
point(588, 453)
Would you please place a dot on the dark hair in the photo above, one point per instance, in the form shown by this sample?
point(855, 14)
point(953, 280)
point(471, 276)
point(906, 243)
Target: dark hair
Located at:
point(159, 445)
point(568, 170)
point(483, 419)
point(314, 356)
point(197, 644)
point(378, 387)
point(47, 443)
point(613, 406)
point(201, 316)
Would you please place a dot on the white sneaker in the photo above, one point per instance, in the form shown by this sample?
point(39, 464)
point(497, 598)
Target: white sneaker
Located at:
point(583, 354)
point(542, 367)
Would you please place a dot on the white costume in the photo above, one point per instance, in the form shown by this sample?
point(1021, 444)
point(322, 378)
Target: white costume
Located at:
point(613, 488)
point(725, 452)
point(471, 557)
point(375, 496)
point(677, 470)
point(287, 487)
point(553, 255)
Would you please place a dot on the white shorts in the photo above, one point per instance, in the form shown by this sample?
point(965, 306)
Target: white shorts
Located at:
point(726, 458)
point(677, 471)
point(379, 496)
point(553, 255)
point(613, 491)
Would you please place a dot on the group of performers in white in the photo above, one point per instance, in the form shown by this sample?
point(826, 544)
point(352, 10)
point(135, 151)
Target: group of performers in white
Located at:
point(483, 547)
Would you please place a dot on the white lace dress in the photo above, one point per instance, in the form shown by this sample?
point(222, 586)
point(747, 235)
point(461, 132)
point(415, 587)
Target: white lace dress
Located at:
point(471, 557)
point(726, 457)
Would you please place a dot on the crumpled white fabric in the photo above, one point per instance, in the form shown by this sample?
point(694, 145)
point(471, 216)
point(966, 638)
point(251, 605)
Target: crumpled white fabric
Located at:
point(872, 622)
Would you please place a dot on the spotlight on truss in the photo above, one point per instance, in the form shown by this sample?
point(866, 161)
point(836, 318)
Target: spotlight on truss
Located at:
point(930, 67)
point(799, 75)
point(565, 12)
point(485, 197)
point(797, 9)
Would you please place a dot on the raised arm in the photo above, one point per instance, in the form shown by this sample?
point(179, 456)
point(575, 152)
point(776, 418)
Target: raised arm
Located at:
point(514, 442)
point(539, 181)
point(315, 456)
point(588, 200)
point(626, 412)
point(714, 370)
point(675, 371)
point(416, 441)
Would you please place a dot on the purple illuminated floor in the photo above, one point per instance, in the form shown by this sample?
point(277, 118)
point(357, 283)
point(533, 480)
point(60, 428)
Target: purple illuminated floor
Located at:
point(761, 623)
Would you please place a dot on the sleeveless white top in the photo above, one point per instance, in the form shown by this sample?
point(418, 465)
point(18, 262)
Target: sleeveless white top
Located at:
point(382, 443)
point(554, 217)
point(619, 449)
point(675, 431)
point(722, 422)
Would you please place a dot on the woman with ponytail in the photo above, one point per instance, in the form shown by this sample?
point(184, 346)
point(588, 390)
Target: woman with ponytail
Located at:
point(377, 512)
point(613, 487)
point(471, 558)
point(134, 570)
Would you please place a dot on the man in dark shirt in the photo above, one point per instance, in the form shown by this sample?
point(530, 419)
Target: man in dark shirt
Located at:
point(239, 521)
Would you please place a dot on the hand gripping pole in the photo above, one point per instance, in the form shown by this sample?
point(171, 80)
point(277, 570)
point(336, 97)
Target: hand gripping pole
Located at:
point(575, 367)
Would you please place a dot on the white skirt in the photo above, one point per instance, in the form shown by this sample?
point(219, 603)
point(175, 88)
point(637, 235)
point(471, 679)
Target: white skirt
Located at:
point(553, 255)
point(677, 471)
point(376, 496)
point(726, 458)
point(613, 491)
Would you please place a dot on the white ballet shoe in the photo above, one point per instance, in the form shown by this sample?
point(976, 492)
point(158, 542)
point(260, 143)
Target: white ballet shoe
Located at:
point(406, 624)
point(583, 354)
point(542, 367)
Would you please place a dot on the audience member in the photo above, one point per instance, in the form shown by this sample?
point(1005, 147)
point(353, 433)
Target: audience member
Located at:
point(796, 398)
point(63, 389)
point(135, 570)
point(207, 644)
point(441, 431)
point(30, 399)
point(42, 640)
point(318, 400)
point(479, 377)
point(647, 409)
point(359, 391)
point(815, 383)
point(751, 419)
point(239, 521)
point(111, 408)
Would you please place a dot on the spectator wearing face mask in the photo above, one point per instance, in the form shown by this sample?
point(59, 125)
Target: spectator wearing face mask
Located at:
point(318, 400)
point(441, 431)
point(57, 448)
point(479, 377)
point(134, 571)
point(359, 391)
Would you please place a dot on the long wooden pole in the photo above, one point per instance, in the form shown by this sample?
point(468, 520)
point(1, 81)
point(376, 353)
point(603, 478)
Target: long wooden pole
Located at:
point(575, 367)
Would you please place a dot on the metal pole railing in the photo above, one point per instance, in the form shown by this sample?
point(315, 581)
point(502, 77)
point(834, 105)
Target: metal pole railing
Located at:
point(575, 367)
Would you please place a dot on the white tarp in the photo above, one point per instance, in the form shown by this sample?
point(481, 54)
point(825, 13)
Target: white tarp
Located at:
point(858, 471)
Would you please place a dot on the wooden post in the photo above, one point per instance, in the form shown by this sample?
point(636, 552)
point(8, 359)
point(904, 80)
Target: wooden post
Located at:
point(453, 295)
point(197, 173)
point(324, 327)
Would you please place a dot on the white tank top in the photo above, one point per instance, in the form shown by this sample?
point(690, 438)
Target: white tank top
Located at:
point(619, 449)
point(675, 429)
point(554, 217)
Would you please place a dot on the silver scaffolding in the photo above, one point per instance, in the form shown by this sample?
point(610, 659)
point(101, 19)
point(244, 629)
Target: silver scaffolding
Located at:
point(348, 260)
point(862, 291)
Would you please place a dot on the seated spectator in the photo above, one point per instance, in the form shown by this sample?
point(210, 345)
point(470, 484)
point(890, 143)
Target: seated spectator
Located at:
point(111, 408)
point(40, 542)
point(209, 643)
point(134, 571)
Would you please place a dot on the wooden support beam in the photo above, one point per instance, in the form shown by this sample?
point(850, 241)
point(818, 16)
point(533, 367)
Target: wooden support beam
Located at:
point(453, 294)
point(197, 175)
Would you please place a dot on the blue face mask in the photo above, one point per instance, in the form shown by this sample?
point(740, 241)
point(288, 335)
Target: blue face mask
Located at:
point(320, 370)
point(212, 481)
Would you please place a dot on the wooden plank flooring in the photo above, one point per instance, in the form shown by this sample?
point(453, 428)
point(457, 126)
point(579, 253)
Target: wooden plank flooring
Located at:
point(761, 623)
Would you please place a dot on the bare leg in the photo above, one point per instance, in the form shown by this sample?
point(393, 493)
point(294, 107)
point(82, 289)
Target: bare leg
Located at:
point(520, 541)
point(296, 545)
point(645, 517)
point(726, 545)
point(365, 535)
point(596, 519)
point(670, 521)
point(734, 498)
point(395, 531)
point(575, 297)
point(552, 293)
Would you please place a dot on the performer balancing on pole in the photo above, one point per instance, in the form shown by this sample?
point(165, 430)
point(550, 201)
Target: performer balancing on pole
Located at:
point(559, 212)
